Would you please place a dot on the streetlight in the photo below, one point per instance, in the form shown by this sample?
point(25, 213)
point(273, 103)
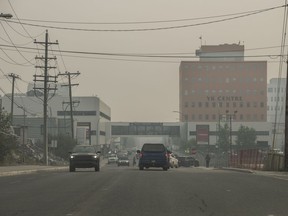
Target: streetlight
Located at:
point(230, 120)
point(6, 16)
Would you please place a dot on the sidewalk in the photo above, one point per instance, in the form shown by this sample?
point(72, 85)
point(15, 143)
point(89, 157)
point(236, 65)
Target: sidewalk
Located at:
point(257, 172)
point(26, 169)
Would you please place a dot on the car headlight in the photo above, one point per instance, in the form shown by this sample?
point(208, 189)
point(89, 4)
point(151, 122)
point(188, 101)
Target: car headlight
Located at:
point(95, 156)
point(72, 156)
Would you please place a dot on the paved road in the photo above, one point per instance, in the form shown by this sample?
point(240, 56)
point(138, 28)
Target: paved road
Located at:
point(127, 191)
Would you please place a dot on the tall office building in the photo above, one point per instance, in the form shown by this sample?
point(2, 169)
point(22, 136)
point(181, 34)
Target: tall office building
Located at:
point(222, 82)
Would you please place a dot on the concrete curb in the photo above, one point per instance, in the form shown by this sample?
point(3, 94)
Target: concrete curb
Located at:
point(29, 171)
point(22, 170)
point(236, 169)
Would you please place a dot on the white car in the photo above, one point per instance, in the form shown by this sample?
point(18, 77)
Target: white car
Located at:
point(173, 161)
point(112, 158)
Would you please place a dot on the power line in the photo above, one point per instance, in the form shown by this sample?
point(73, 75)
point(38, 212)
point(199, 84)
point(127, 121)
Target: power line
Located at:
point(139, 22)
point(28, 61)
point(143, 55)
point(152, 29)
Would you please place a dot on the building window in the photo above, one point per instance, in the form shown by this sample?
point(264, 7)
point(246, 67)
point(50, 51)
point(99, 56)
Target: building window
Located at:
point(192, 104)
point(193, 117)
point(261, 104)
point(255, 104)
point(207, 104)
point(214, 117)
point(186, 104)
point(255, 117)
point(234, 104)
point(199, 104)
point(270, 89)
point(214, 104)
point(248, 117)
point(248, 104)
point(200, 117)
point(220, 104)
point(207, 117)
point(241, 104)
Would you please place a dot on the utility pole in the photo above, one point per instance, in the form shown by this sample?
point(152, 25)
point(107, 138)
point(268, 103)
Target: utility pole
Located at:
point(286, 122)
point(14, 76)
point(46, 79)
point(70, 97)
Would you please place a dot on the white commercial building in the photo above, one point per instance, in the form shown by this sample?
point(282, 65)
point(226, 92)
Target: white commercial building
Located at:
point(90, 115)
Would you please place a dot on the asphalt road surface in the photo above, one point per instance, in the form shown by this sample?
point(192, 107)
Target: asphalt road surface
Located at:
point(127, 191)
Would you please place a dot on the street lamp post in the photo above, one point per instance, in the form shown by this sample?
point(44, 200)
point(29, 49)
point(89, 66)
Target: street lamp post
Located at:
point(230, 115)
point(6, 16)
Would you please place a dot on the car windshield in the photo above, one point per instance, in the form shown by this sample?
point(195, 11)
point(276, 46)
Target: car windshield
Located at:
point(84, 149)
point(153, 147)
point(112, 155)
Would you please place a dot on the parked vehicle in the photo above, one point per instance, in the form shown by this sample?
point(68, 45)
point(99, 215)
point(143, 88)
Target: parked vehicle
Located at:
point(84, 156)
point(173, 161)
point(112, 158)
point(123, 161)
point(154, 155)
point(187, 161)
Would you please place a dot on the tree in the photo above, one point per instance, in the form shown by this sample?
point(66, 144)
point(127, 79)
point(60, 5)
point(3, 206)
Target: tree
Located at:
point(7, 137)
point(188, 146)
point(246, 137)
point(223, 137)
point(64, 144)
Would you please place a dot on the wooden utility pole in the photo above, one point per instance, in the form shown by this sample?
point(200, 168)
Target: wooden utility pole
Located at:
point(286, 122)
point(14, 76)
point(68, 74)
point(46, 80)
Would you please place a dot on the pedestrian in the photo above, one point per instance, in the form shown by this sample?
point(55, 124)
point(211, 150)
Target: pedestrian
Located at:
point(207, 158)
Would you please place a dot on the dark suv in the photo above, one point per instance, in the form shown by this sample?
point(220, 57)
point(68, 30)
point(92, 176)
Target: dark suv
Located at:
point(153, 155)
point(84, 156)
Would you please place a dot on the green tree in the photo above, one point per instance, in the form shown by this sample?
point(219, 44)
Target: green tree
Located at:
point(7, 137)
point(246, 137)
point(187, 146)
point(223, 137)
point(64, 144)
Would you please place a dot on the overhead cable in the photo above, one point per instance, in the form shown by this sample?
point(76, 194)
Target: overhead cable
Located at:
point(151, 29)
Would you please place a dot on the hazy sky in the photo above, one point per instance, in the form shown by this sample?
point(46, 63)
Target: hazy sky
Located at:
point(136, 88)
